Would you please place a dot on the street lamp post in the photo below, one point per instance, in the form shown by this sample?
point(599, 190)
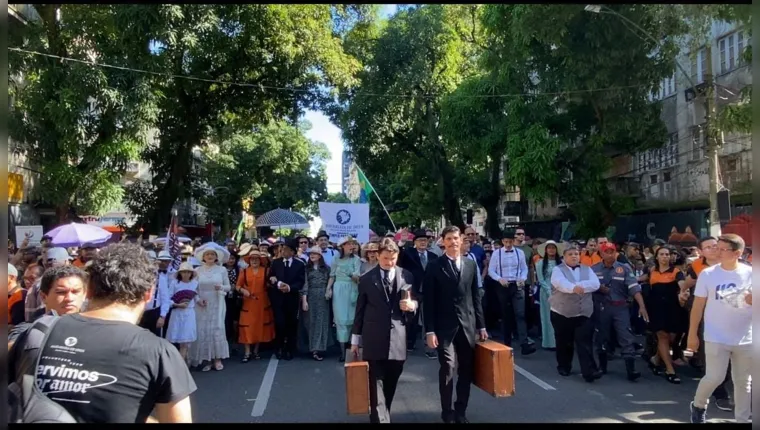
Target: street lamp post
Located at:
point(711, 133)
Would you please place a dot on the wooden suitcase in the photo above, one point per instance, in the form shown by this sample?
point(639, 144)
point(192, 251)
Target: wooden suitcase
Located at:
point(495, 368)
point(357, 388)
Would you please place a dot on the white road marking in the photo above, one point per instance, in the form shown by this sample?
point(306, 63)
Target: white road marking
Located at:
point(533, 378)
point(265, 389)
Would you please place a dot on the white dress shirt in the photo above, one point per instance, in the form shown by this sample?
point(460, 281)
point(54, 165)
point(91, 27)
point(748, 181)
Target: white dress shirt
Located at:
point(328, 254)
point(508, 265)
point(160, 298)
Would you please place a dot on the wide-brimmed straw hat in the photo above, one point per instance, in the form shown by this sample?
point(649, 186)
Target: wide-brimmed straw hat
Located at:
point(245, 249)
point(314, 250)
point(542, 248)
point(345, 240)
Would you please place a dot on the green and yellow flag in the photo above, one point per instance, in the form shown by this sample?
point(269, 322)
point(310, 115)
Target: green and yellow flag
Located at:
point(366, 187)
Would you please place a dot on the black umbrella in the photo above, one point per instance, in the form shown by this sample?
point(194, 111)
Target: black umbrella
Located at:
point(279, 218)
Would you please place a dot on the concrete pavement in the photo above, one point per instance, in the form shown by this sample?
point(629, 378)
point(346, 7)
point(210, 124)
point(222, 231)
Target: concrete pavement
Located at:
point(302, 391)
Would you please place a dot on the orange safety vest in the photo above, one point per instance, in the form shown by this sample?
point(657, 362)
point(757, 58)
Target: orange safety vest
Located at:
point(590, 260)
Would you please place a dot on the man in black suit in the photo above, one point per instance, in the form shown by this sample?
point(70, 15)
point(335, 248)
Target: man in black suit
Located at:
point(453, 322)
point(416, 260)
point(287, 278)
point(383, 307)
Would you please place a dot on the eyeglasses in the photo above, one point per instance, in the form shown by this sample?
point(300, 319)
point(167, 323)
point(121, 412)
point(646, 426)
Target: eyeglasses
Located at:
point(303, 243)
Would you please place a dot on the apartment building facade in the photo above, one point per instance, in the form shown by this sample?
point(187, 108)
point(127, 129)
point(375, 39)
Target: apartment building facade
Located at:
point(678, 171)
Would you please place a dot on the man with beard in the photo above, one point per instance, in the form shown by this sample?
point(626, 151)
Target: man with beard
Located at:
point(383, 311)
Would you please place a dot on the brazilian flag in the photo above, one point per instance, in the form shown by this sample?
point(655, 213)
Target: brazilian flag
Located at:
point(366, 187)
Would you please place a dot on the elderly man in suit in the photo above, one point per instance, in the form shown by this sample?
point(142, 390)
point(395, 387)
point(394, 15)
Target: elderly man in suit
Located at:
point(384, 305)
point(416, 260)
point(453, 322)
point(287, 277)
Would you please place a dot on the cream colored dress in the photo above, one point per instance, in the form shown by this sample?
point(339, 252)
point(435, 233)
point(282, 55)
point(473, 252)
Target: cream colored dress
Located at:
point(212, 337)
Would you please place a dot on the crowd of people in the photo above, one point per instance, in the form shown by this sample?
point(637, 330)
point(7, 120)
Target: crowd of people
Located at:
point(300, 295)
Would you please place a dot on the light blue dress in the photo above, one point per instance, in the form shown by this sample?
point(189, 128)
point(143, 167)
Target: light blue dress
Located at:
point(345, 294)
point(545, 283)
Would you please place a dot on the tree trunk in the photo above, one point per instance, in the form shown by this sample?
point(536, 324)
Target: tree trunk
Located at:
point(491, 203)
point(451, 209)
point(62, 213)
point(171, 189)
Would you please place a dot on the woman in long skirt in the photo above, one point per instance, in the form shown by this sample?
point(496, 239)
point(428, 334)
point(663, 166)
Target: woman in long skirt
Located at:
point(550, 254)
point(343, 287)
point(213, 285)
point(256, 324)
point(314, 303)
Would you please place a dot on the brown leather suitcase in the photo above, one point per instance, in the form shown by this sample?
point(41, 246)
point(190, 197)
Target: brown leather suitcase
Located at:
point(357, 388)
point(495, 368)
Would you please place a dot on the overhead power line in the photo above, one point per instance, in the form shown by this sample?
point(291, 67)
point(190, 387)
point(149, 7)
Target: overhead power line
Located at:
point(298, 90)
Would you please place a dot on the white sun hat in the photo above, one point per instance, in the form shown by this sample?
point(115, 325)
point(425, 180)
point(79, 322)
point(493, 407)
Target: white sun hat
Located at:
point(222, 255)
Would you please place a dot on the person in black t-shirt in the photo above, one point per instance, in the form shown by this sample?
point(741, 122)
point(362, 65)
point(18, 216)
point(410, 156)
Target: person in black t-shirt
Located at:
point(100, 365)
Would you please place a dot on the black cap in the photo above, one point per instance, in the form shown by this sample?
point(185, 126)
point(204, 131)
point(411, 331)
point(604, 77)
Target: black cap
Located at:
point(292, 244)
point(322, 234)
point(419, 234)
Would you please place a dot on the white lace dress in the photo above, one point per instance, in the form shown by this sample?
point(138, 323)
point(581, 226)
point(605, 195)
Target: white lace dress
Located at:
point(212, 338)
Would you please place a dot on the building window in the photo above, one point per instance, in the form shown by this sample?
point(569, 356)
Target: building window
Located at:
point(731, 49)
point(699, 67)
point(697, 143)
point(666, 177)
point(731, 165)
point(653, 179)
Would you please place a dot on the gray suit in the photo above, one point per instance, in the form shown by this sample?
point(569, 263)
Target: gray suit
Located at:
point(380, 326)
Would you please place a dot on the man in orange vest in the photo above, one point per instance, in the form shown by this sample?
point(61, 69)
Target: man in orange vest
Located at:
point(590, 256)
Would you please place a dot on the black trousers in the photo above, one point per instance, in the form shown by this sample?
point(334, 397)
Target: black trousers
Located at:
point(460, 355)
point(512, 305)
point(232, 317)
point(412, 330)
point(383, 379)
point(149, 320)
point(286, 323)
point(574, 334)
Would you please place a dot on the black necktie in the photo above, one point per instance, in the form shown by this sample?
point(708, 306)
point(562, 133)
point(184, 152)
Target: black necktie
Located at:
point(387, 282)
point(287, 264)
point(454, 267)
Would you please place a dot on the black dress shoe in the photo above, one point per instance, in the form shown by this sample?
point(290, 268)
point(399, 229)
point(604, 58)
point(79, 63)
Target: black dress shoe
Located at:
point(287, 355)
point(564, 372)
point(461, 419)
point(528, 349)
point(447, 417)
point(278, 354)
point(593, 377)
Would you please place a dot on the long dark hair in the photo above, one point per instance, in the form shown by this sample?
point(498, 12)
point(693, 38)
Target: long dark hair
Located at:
point(321, 266)
point(557, 259)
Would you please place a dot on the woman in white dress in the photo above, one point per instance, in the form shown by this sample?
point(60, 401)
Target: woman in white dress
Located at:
point(213, 285)
point(182, 323)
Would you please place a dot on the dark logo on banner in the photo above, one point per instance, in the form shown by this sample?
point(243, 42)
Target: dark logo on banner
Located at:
point(343, 217)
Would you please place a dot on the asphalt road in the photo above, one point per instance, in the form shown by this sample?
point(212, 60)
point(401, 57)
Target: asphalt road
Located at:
point(303, 390)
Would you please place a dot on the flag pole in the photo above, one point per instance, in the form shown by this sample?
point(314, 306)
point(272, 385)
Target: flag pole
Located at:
point(378, 198)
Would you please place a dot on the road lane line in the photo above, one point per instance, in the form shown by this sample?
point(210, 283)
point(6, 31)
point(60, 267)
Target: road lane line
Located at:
point(533, 378)
point(265, 389)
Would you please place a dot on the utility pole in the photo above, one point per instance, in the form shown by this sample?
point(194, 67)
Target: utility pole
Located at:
point(711, 137)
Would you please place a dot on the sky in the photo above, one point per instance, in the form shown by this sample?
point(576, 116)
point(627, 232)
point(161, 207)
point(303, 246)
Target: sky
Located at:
point(324, 131)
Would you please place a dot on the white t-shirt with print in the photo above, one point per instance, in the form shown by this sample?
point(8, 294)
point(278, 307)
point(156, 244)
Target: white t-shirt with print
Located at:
point(728, 318)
